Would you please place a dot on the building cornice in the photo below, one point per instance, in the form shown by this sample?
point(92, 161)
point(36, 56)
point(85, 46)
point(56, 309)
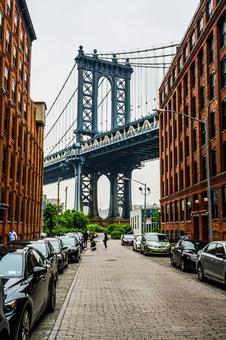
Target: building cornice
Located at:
point(27, 19)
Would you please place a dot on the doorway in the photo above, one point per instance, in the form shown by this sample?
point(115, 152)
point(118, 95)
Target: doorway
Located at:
point(196, 227)
point(205, 228)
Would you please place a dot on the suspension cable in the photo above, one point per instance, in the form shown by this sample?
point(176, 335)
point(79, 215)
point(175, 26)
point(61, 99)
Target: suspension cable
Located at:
point(146, 57)
point(61, 113)
point(55, 100)
point(138, 51)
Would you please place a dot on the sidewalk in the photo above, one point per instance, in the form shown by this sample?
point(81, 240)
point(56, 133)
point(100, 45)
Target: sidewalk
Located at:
point(119, 294)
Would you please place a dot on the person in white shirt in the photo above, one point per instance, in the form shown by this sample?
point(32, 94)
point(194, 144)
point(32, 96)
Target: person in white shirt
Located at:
point(12, 235)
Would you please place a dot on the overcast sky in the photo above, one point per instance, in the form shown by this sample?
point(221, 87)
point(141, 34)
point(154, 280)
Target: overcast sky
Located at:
point(119, 25)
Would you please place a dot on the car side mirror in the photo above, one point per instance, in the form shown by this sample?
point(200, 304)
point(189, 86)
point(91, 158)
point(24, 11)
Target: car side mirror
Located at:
point(220, 255)
point(38, 271)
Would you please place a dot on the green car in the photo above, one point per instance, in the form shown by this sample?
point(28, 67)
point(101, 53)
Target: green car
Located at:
point(155, 243)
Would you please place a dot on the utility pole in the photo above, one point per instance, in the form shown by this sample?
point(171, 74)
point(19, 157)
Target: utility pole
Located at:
point(66, 189)
point(58, 191)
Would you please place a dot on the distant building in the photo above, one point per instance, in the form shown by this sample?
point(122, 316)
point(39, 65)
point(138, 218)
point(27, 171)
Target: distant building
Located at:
point(53, 201)
point(196, 86)
point(143, 221)
point(21, 126)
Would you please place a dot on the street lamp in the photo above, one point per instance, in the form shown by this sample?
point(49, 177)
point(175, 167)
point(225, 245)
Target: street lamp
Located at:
point(145, 197)
point(66, 189)
point(58, 191)
point(205, 123)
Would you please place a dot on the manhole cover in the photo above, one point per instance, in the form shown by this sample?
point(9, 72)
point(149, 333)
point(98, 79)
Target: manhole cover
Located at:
point(111, 260)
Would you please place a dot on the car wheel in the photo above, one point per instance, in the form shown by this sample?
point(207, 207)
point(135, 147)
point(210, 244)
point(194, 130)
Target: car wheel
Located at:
point(61, 270)
point(24, 326)
point(201, 275)
point(52, 301)
point(172, 260)
point(183, 265)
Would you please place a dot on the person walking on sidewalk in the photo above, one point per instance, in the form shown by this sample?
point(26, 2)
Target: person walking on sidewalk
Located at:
point(105, 240)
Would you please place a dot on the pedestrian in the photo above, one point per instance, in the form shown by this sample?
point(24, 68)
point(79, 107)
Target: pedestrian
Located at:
point(105, 240)
point(85, 238)
point(12, 235)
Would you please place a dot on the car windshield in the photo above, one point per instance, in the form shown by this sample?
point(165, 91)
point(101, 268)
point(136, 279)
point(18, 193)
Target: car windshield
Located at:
point(192, 245)
point(41, 247)
point(129, 237)
point(68, 241)
point(10, 265)
point(157, 238)
point(55, 244)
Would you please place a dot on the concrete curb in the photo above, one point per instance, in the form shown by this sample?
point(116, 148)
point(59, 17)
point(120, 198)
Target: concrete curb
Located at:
point(60, 316)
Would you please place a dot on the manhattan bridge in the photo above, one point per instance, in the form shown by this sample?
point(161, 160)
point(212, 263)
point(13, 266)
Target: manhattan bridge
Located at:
point(101, 123)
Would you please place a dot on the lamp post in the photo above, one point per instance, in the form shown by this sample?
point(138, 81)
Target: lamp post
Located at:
point(145, 197)
point(58, 191)
point(66, 189)
point(205, 124)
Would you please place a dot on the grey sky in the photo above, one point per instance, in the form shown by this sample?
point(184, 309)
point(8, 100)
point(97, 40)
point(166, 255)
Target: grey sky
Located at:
point(61, 26)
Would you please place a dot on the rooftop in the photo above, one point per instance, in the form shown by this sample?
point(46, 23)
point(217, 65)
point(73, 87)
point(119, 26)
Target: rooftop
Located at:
point(27, 19)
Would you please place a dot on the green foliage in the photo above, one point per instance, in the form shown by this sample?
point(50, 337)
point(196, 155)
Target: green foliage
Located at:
point(118, 229)
point(116, 234)
point(50, 216)
point(95, 228)
point(156, 216)
point(72, 219)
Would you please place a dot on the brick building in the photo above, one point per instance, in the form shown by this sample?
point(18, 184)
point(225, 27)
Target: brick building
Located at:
point(195, 85)
point(21, 126)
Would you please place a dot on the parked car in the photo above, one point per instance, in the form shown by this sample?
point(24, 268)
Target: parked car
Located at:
point(127, 239)
point(211, 262)
point(73, 245)
point(137, 242)
point(79, 237)
point(29, 287)
point(62, 252)
point(184, 254)
point(47, 250)
point(155, 243)
point(4, 324)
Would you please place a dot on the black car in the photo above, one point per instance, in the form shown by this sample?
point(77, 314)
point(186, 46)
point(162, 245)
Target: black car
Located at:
point(4, 325)
point(73, 245)
point(29, 287)
point(79, 237)
point(127, 239)
point(47, 250)
point(61, 251)
point(184, 254)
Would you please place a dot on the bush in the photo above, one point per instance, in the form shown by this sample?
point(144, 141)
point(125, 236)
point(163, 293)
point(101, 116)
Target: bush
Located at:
point(95, 228)
point(116, 234)
point(118, 229)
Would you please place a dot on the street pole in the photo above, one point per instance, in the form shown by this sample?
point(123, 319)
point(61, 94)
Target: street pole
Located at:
point(58, 191)
point(145, 206)
point(205, 122)
point(66, 189)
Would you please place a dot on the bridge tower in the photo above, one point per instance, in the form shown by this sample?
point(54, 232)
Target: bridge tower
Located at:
point(90, 70)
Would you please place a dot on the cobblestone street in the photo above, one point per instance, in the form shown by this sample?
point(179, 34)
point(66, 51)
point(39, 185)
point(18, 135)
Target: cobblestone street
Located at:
point(119, 294)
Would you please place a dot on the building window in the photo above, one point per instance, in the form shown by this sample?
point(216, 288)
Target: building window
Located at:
point(210, 48)
point(180, 123)
point(194, 140)
point(202, 97)
point(186, 118)
point(1, 201)
point(162, 214)
point(175, 128)
point(200, 26)
point(187, 178)
point(215, 203)
point(19, 101)
point(213, 124)
point(224, 155)
point(186, 146)
point(9, 7)
point(14, 90)
point(222, 31)
point(174, 74)
point(4, 161)
point(188, 209)
point(167, 213)
point(27, 53)
point(211, 86)
point(14, 129)
point(185, 86)
point(6, 118)
point(21, 70)
point(15, 54)
point(203, 135)
point(181, 179)
point(16, 24)
point(181, 151)
point(25, 111)
point(179, 65)
point(176, 211)
point(224, 201)
point(179, 95)
point(175, 156)
point(223, 73)
point(1, 16)
point(203, 168)
point(7, 41)
point(185, 53)
point(176, 182)
point(11, 166)
point(26, 80)
point(181, 210)
point(192, 41)
point(192, 74)
point(21, 40)
point(6, 79)
point(20, 135)
point(223, 112)
point(170, 160)
point(193, 106)
point(201, 62)
point(171, 212)
point(214, 162)
point(195, 172)
point(209, 9)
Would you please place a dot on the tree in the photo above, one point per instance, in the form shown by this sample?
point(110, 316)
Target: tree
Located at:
point(50, 216)
point(73, 219)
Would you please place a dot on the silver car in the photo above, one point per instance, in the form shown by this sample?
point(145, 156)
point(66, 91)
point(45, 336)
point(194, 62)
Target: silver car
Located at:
point(211, 262)
point(137, 242)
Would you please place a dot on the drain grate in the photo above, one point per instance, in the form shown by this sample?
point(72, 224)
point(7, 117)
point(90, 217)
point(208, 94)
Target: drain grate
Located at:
point(111, 260)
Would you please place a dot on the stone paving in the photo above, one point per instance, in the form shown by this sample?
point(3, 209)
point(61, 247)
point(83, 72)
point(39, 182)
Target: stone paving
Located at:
point(120, 294)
